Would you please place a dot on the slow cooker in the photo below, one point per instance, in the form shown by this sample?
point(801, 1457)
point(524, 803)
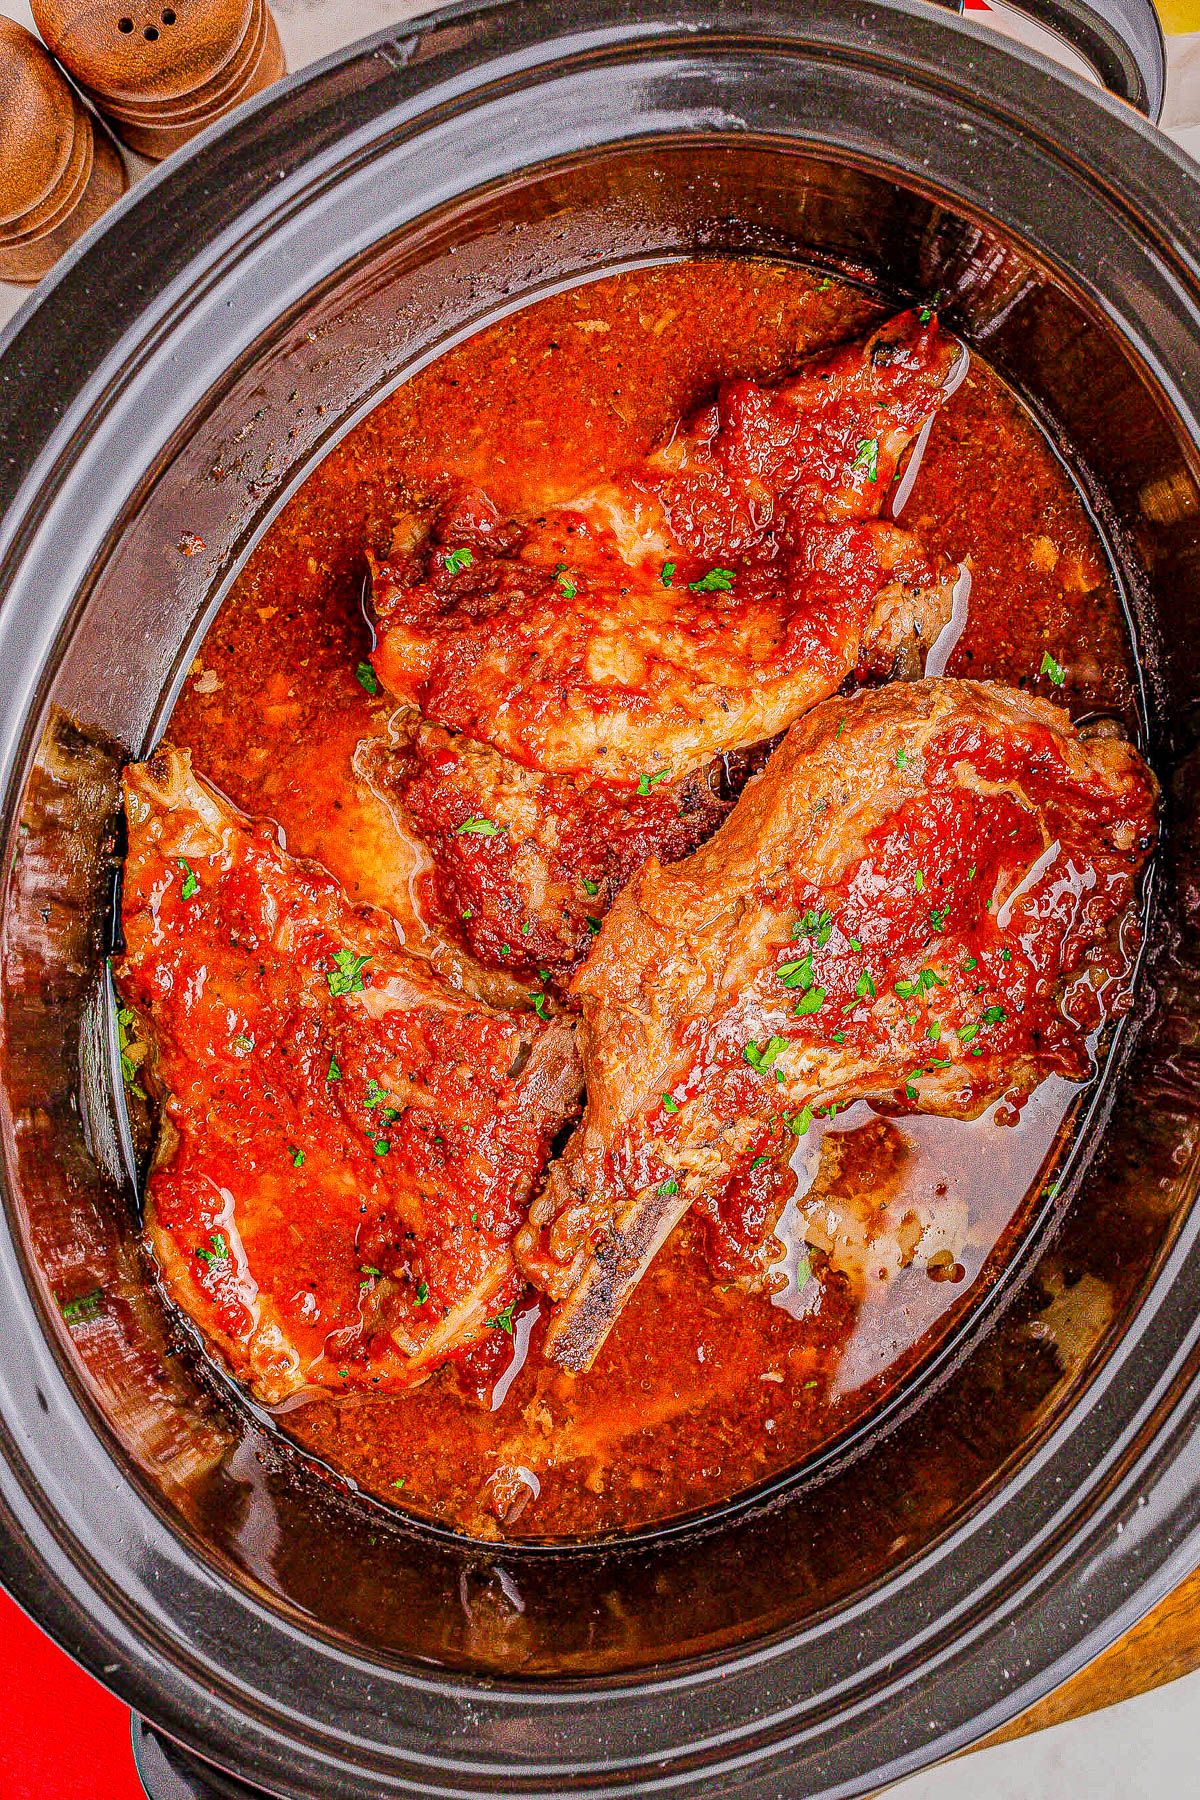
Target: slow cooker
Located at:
point(1032, 1491)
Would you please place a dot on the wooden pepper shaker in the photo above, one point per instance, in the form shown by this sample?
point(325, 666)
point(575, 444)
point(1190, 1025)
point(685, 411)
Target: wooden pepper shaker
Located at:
point(162, 73)
point(58, 169)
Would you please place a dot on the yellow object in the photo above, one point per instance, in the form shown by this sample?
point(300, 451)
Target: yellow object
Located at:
point(1179, 16)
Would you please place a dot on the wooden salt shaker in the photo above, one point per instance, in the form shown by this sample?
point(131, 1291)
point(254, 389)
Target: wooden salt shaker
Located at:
point(162, 73)
point(58, 170)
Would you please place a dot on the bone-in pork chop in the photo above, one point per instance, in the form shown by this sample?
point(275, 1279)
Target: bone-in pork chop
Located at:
point(925, 899)
point(698, 604)
point(346, 1146)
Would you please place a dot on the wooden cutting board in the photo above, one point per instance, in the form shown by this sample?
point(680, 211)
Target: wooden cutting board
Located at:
point(1165, 1645)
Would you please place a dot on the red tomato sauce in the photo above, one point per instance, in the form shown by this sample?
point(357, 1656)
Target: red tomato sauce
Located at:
point(702, 1390)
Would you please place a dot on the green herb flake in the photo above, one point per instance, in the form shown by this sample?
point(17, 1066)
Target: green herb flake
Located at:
point(937, 918)
point(814, 924)
point(799, 1122)
point(759, 1160)
point(839, 1037)
point(716, 581)
point(763, 1056)
point(479, 828)
point(866, 987)
point(925, 314)
point(458, 560)
point(668, 572)
point(539, 1006)
point(214, 1250)
point(364, 674)
point(669, 1104)
point(345, 977)
point(902, 759)
point(1053, 669)
point(666, 1189)
point(590, 887)
point(919, 881)
point(910, 1091)
point(422, 1292)
point(867, 457)
point(297, 1156)
point(842, 726)
point(399, 1482)
point(646, 782)
point(83, 1307)
point(1006, 956)
point(810, 1003)
point(803, 1273)
point(503, 1321)
point(854, 943)
point(967, 1033)
point(381, 1145)
point(972, 962)
point(971, 871)
point(335, 1074)
point(905, 989)
point(593, 925)
point(933, 1031)
point(797, 974)
point(191, 881)
point(993, 1015)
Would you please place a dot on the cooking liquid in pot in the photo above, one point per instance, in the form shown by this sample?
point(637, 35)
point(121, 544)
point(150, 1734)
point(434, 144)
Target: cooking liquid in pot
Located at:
point(701, 1390)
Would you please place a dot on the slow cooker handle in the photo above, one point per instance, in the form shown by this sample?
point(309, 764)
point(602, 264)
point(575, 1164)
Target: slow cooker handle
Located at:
point(1122, 39)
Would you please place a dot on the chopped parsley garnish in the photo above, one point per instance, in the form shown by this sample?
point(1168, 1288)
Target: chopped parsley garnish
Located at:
point(993, 1015)
point(345, 977)
point(85, 1306)
point(867, 457)
point(646, 782)
point(803, 1277)
point(972, 962)
point(297, 1156)
point(810, 1003)
point(905, 989)
point(457, 560)
point(592, 924)
point(910, 1091)
point(799, 1122)
point(126, 1018)
point(191, 881)
point(854, 943)
point(937, 917)
point(759, 1160)
point(539, 1006)
point(666, 1189)
point(933, 1031)
point(590, 887)
point(503, 1321)
point(568, 586)
point(381, 1145)
point(839, 1037)
point(762, 1056)
point(925, 314)
point(797, 974)
point(506, 949)
point(967, 1033)
point(815, 925)
point(971, 871)
point(866, 987)
point(422, 1292)
point(902, 759)
point(929, 978)
point(364, 674)
point(668, 571)
point(1006, 956)
point(919, 880)
point(670, 1105)
point(478, 828)
point(375, 1094)
point(399, 1482)
point(216, 1250)
point(841, 727)
point(335, 1074)
point(717, 580)
point(1053, 669)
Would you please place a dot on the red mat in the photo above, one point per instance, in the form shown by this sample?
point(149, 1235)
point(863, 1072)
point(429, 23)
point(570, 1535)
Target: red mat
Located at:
point(64, 1736)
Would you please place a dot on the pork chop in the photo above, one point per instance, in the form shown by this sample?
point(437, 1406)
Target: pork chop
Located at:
point(346, 1146)
point(698, 603)
point(925, 900)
